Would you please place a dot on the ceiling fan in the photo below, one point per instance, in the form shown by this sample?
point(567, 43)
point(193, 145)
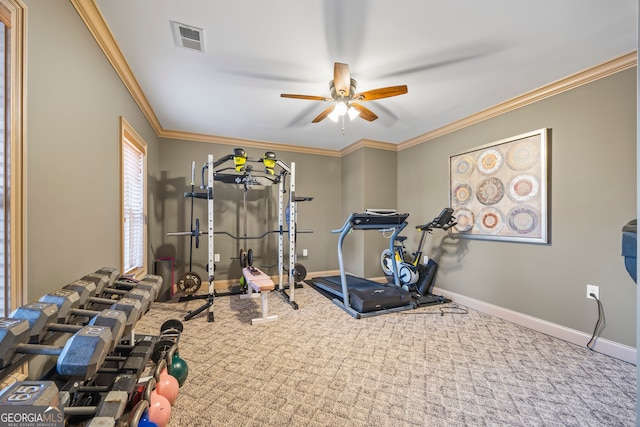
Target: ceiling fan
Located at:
point(347, 101)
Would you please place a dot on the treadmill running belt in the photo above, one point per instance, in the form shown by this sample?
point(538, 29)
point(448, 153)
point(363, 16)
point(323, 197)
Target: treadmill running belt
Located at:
point(365, 295)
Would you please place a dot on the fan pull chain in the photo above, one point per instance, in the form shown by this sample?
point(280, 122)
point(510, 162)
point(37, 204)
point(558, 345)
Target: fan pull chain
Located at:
point(343, 126)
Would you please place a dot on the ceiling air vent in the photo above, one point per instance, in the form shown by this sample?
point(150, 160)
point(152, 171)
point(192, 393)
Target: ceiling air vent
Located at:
point(187, 36)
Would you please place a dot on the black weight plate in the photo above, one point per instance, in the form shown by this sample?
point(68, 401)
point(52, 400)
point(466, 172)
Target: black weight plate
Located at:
point(172, 324)
point(299, 273)
point(197, 233)
point(189, 283)
point(243, 259)
point(250, 257)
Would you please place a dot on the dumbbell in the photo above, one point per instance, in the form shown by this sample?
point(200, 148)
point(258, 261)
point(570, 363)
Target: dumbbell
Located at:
point(126, 382)
point(45, 393)
point(150, 282)
point(42, 318)
point(131, 289)
point(105, 278)
point(111, 406)
point(89, 294)
point(80, 357)
point(102, 284)
point(86, 396)
point(68, 302)
point(101, 281)
point(31, 393)
point(111, 272)
point(102, 278)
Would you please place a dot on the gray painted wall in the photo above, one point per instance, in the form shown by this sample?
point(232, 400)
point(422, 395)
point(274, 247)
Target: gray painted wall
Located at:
point(353, 200)
point(369, 182)
point(592, 195)
point(74, 101)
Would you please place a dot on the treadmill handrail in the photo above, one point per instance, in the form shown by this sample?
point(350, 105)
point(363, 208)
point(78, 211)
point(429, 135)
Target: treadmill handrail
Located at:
point(350, 224)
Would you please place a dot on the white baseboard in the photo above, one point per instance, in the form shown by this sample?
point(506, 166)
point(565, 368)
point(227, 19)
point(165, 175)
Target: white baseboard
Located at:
point(601, 345)
point(610, 348)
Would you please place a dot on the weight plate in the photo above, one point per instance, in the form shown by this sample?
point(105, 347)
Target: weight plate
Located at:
point(299, 272)
point(171, 324)
point(189, 283)
point(197, 233)
point(243, 259)
point(250, 257)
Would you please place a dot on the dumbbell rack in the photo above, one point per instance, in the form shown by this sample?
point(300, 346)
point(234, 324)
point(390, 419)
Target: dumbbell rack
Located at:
point(105, 393)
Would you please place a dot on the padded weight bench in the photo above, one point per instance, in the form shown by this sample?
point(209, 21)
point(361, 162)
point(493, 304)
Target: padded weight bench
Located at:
point(260, 283)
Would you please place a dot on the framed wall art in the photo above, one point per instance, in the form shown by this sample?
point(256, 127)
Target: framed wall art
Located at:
point(498, 191)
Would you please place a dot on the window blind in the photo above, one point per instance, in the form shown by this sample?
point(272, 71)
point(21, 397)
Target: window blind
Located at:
point(133, 207)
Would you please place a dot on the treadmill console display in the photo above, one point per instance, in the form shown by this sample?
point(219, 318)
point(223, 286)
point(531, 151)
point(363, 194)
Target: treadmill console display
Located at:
point(369, 219)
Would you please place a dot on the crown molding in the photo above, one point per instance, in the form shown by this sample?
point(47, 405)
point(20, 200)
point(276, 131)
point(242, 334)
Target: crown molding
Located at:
point(587, 76)
point(90, 14)
point(237, 142)
point(368, 143)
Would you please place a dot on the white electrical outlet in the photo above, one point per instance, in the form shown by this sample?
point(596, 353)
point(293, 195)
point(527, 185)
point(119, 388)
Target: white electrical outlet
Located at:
point(216, 258)
point(305, 252)
point(593, 289)
point(425, 260)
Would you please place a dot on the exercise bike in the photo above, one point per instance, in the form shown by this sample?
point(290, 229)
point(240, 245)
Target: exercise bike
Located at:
point(414, 276)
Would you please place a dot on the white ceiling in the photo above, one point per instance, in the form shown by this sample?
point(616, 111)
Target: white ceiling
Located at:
point(456, 57)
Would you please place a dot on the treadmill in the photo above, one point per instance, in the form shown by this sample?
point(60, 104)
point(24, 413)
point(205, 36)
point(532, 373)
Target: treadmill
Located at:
point(362, 297)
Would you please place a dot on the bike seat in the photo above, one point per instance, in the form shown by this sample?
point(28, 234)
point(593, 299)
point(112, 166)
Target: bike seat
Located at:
point(401, 238)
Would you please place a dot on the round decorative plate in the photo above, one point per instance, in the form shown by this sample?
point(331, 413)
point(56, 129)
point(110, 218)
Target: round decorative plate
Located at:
point(490, 191)
point(463, 167)
point(489, 161)
point(523, 220)
point(522, 155)
point(462, 194)
point(490, 220)
point(523, 188)
point(464, 220)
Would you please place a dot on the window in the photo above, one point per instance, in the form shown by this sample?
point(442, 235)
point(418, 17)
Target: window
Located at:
point(12, 28)
point(133, 166)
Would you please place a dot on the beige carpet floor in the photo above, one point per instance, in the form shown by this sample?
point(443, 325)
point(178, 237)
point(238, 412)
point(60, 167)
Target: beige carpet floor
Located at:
point(434, 366)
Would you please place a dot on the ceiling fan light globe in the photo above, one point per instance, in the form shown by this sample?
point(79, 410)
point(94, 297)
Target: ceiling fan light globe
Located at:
point(340, 108)
point(353, 113)
point(334, 116)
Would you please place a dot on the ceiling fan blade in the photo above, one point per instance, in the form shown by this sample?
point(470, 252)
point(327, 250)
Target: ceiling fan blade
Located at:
point(323, 115)
point(310, 97)
point(384, 92)
point(341, 78)
point(365, 113)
